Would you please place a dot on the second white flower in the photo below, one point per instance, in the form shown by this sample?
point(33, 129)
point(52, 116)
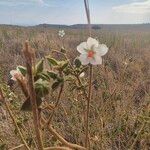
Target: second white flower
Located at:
point(91, 52)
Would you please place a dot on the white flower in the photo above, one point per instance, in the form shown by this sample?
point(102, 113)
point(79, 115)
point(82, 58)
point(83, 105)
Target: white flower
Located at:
point(91, 52)
point(82, 75)
point(61, 33)
point(15, 74)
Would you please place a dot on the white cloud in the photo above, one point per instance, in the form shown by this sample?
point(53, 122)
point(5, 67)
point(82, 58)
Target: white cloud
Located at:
point(22, 2)
point(134, 8)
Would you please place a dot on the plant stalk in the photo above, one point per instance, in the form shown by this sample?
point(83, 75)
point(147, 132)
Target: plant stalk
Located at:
point(61, 139)
point(87, 141)
point(32, 95)
point(56, 105)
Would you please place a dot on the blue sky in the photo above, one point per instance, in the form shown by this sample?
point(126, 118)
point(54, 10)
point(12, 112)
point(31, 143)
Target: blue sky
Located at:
point(30, 12)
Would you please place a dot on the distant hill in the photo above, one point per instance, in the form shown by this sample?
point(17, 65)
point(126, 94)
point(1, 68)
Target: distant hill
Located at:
point(145, 26)
point(75, 26)
point(95, 26)
point(52, 26)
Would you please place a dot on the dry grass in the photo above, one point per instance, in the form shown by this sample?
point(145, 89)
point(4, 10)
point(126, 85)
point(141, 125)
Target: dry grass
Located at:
point(119, 117)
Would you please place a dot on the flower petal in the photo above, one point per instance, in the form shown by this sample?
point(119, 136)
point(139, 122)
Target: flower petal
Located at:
point(101, 50)
point(81, 48)
point(92, 43)
point(13, 73)
point(84, 59)
point(96, 60)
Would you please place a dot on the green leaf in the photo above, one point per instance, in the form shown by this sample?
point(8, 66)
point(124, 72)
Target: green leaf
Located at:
point(55, 85)
point(22, 70)
point(41, 88)
point(52, 61)
point(52, 74)
point(39, 66)
point(77, 63)
point(64, 65)
point(43, 76)
point(60, 79)
point(26, 106)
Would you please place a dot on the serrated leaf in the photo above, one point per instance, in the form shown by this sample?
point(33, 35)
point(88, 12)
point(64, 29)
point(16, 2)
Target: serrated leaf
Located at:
point(52, 74)
point(52, 61)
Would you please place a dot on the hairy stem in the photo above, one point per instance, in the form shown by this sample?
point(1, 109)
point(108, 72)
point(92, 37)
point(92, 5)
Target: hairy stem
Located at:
point(17, 147)
point(32, 95)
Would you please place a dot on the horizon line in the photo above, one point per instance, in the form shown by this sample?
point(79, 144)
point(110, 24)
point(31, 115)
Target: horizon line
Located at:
point(25, 25)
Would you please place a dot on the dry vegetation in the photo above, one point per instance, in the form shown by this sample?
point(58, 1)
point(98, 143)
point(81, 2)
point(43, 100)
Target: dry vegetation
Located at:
point(119, 116)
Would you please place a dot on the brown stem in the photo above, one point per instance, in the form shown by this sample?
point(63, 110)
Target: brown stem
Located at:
point(87, 96)
point(17, 147)
point(87, 142)
point(13, 119)
point(61, 139)
point(56, 105)
point(32, 95)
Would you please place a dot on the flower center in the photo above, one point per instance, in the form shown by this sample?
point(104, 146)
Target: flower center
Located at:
point(91, 54)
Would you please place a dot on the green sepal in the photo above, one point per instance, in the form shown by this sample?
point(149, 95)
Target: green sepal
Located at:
point(22, 70)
